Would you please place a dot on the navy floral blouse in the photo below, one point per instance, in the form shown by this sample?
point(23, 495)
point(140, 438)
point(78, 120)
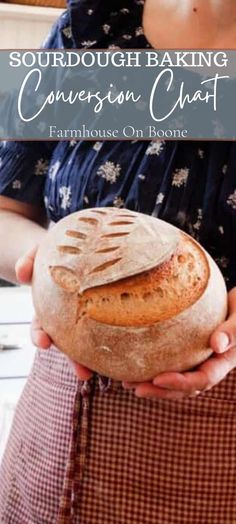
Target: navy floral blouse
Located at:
point(190, 184)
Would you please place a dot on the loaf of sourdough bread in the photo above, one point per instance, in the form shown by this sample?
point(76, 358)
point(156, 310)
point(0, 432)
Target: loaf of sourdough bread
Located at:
point(127, 295)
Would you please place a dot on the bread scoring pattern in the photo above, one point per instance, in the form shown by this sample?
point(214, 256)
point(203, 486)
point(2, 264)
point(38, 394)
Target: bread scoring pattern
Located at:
point(105, 245)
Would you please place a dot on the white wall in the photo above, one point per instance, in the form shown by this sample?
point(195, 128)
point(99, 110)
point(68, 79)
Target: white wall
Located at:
point(16, 311)
point(22, 27)
point(25, 27)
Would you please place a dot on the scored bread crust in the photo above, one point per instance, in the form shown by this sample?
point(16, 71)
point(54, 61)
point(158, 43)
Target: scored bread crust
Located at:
point(154, 295)
point(94, 247)
point(143, 346)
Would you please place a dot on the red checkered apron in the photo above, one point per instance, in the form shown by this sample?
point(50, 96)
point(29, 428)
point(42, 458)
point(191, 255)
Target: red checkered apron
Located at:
point(92, 453)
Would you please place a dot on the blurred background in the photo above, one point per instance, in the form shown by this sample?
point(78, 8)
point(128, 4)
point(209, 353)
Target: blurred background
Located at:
point(25, 23)
point(41, 3)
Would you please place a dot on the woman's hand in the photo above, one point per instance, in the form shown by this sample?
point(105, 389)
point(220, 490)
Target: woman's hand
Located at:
point(24, 271)
point(176, 386)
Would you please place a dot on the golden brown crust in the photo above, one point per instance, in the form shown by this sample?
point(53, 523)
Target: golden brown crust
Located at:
point(167, 319)
point(151, 296)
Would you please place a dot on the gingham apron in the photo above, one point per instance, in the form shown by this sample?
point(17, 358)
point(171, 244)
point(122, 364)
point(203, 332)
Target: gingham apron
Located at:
point(93, 453)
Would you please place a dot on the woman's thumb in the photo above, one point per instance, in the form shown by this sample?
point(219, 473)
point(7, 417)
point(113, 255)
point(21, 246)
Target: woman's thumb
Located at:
point(24, 266)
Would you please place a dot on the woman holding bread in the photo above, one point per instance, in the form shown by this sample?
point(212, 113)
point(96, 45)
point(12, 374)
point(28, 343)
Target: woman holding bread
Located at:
point(90, 450)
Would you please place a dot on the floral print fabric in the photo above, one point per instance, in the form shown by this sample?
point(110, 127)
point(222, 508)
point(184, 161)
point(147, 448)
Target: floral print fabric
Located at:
point(190, 184)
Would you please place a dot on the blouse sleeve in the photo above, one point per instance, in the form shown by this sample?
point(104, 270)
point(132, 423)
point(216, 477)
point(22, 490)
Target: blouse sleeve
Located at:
point(23, 170)
point(24, 165)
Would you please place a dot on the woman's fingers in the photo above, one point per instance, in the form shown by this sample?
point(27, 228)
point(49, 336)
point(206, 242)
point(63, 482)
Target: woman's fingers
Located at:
point(148, 390)
point(38, 336)
point(224, 337)
point(208, 374)
point(232, 301)
point(81, 372)
point(41, 340)
point(24, 266)
point(24, 270)
point(220, 339)
point(176, 386)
